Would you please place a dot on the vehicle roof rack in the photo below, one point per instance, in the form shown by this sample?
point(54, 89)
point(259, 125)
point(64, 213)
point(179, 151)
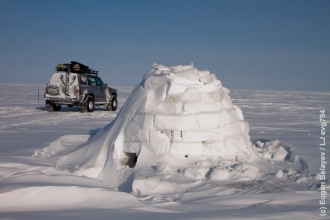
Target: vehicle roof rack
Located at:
point(76, 67)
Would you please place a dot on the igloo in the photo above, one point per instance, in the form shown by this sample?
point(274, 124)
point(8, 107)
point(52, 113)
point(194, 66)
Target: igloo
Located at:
point(177, 128)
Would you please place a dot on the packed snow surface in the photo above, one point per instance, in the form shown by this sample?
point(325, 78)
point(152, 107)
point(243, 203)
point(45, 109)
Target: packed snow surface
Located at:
point(178, 130)
point(194, 160)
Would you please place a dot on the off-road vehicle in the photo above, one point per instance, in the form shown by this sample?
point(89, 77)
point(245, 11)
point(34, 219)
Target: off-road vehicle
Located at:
point(75, 84)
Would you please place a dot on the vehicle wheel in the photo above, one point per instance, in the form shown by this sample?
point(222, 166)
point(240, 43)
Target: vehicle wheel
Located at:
point(90, 104)
point(53, 108)
point(113, 104)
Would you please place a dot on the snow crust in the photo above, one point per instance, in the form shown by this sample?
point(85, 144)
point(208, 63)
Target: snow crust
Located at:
point(184, 129)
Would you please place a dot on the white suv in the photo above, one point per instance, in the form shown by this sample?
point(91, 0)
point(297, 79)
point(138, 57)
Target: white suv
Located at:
point(75, 84)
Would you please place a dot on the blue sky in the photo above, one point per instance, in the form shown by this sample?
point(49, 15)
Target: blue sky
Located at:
point(247, 44)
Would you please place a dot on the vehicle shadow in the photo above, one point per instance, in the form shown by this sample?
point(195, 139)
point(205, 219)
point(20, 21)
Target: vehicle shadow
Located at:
point(72, 109)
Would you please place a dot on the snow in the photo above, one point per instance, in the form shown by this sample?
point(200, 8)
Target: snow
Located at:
point(206, 177)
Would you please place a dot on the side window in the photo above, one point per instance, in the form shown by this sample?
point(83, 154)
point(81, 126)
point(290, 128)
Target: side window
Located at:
point(99, 81)
point(83, 80)
point(91, 81)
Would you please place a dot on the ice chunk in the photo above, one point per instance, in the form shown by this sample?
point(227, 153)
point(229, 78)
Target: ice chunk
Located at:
point(266, 154)
point(151, 186)
point(163, 167)
point(274, 147)
point(249, 170)
point(280, 154)
point(192, 173)
point(186, 148)
point(279, 174)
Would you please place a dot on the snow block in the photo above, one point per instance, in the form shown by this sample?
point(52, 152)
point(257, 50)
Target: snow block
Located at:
point(186, 148)
point(131, 147)
point(209, 120)
point(226, 102)
point(215, 96)
point(177, 68)
point(190, 95)
point(196, 136)
point(239, 112)
point(189, 66)
point(207, 79)
point(243, 127)
point(176, 135)
point(213, 148)
point(160, 92)
point(176, 122)
point(194, 107)
point(160, 141)
point(176, 89)
point(233, 145)
point(154, 81)
point(134, 133)
point(191, 74)
point(203, 73)
point(171, 107)
point(144, 121)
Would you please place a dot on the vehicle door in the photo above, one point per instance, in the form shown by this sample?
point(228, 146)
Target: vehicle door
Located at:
point(101, 89)
point(93, 88)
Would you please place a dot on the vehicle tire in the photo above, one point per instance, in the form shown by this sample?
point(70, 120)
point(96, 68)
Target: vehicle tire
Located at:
point(90, 104)
point(53, 107)
point(113, 104)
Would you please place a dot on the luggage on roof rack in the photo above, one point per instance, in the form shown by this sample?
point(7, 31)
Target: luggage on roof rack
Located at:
point(75, 67)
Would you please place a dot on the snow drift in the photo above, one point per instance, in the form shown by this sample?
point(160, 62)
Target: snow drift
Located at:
point(177, 130)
